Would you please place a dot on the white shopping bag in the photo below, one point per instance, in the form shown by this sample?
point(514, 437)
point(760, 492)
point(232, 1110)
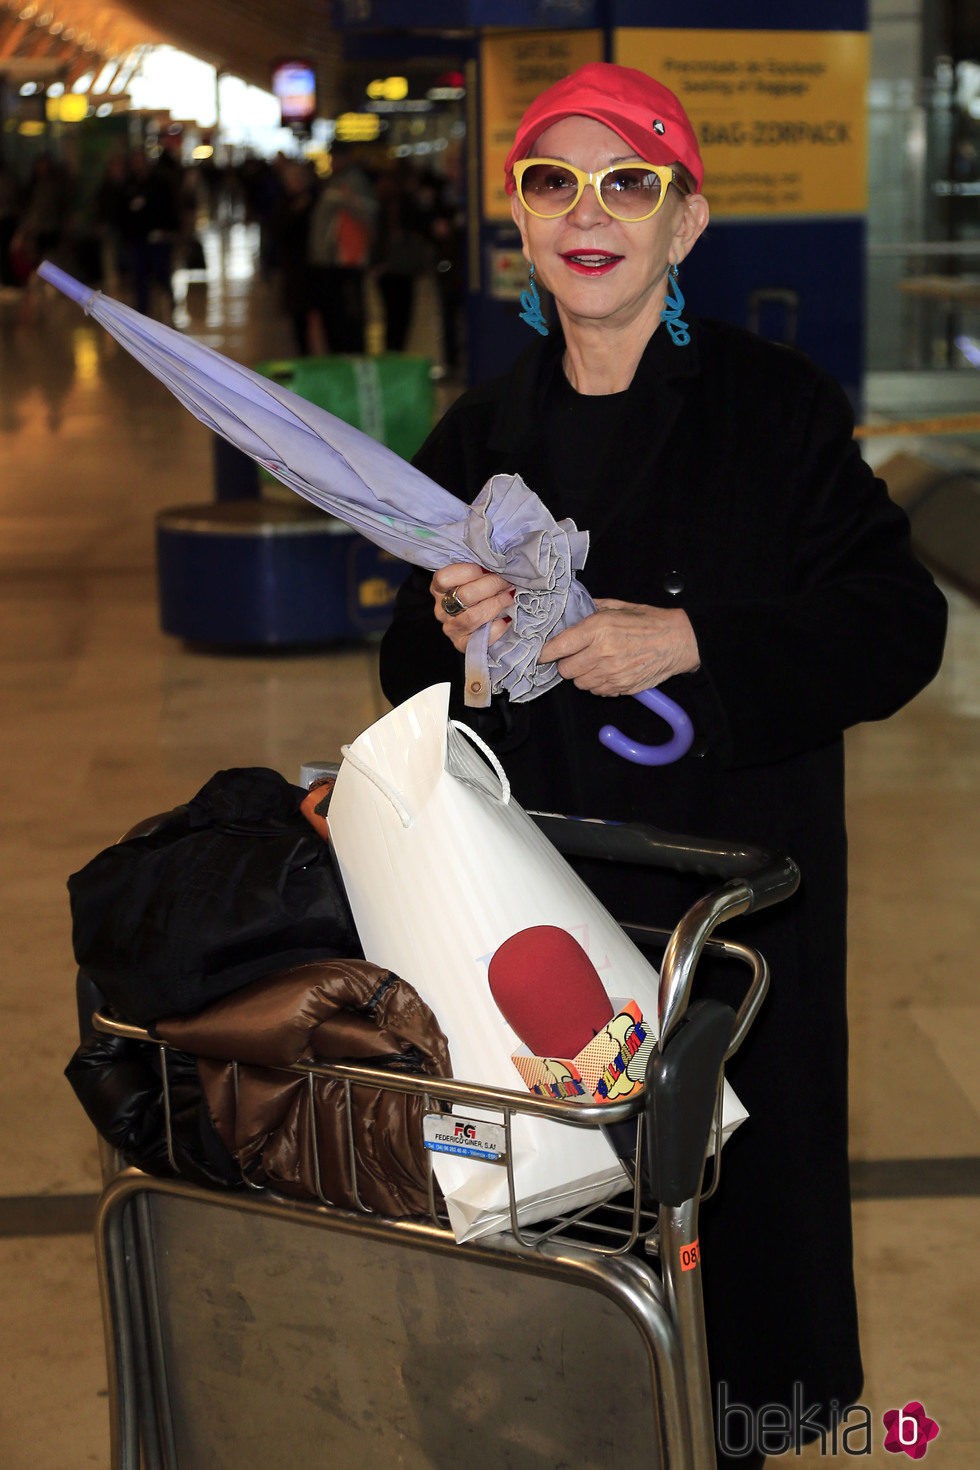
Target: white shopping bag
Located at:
point(440, 867)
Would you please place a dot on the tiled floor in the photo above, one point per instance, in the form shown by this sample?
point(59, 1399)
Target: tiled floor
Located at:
point(105, 720)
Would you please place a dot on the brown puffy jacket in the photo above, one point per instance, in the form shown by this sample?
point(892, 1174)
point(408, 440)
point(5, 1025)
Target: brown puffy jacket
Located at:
point(331, 1011)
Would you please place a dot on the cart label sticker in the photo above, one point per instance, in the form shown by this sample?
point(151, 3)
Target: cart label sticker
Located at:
point(470, 1138)
point(690, 1256)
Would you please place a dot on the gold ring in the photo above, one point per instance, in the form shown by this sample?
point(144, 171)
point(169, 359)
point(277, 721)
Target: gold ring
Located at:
point(451, 604)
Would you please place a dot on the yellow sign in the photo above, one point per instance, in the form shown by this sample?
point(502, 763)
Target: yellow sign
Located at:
point(358, 127)
point(780, 115)
point(513, 70)
point(388, 89)
point(376, 592)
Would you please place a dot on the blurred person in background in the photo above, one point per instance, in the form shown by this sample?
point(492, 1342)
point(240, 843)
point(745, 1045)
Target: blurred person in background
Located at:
point(447, 237)
point(402, 252)
point(289, 232)
point(149, 222)
point(110, 204)
point(340, 247)
point(11, 203)
point(47, 212)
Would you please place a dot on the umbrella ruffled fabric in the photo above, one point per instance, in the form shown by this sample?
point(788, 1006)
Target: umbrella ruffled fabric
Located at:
point(509, 530)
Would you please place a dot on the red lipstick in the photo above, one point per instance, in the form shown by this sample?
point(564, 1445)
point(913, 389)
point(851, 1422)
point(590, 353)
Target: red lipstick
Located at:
point(591, 262)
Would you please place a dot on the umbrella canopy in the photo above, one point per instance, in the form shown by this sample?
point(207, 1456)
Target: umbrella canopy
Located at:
point(327, 461)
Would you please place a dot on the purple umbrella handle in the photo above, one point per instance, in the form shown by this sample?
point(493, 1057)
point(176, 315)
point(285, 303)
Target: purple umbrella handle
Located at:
point(653, 755)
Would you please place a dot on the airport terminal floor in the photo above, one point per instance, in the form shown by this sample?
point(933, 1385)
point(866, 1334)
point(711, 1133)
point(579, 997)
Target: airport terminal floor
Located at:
point(105, 720)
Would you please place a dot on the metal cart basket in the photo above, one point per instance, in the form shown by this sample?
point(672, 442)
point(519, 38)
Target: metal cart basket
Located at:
point(248, 1331)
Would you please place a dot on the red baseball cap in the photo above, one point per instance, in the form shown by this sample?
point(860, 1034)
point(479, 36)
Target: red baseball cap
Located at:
point(645, 114)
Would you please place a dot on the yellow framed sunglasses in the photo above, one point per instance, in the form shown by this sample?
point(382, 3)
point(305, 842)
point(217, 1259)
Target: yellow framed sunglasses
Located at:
point(631, 191)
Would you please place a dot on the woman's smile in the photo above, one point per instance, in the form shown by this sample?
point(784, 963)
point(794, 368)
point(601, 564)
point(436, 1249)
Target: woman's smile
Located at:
point(590, 262)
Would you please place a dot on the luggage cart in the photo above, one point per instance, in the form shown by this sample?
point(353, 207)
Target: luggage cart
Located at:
point(251, 1331)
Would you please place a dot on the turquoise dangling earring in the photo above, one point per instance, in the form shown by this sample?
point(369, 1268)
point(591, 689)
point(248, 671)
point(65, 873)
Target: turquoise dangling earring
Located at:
point(530, 311)
point(680, 332)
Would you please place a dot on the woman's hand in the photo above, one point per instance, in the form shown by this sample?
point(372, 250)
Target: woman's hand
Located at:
point(486, 598)
point(624, 647)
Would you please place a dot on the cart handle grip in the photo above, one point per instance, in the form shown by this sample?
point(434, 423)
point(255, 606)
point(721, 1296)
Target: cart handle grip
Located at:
point(768, 877)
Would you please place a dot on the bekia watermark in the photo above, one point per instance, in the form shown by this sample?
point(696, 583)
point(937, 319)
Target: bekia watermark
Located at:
point(778, 1429)
point(909, 1430)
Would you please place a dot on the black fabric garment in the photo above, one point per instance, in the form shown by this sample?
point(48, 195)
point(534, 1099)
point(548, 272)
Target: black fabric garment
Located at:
point(119, 1084)
point(223, 889)
point(724, 481)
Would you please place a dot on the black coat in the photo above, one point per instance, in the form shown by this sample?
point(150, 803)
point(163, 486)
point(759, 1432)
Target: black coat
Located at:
point(726, 481)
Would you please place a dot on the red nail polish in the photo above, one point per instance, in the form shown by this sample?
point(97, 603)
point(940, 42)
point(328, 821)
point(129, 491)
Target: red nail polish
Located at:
point(507, 620)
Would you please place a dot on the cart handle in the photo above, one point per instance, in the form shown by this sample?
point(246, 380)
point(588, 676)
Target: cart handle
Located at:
point(686, 945)
point(769, 876)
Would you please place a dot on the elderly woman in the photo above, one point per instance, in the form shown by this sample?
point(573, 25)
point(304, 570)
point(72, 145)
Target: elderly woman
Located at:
point(746, 560)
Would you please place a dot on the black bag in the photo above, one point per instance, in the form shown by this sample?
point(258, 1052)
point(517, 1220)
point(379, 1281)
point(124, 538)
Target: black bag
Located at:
point(118, 1083)
point(221, 890)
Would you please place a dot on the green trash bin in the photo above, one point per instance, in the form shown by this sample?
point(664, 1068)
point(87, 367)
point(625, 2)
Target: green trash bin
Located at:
point(390, 397)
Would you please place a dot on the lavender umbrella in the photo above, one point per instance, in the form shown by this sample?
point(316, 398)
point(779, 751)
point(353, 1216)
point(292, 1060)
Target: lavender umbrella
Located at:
point(507, 529)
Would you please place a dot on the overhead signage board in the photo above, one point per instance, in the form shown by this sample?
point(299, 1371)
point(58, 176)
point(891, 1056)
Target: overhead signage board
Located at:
point(294, 85)
point(444, 15)
point(780, 115)
point(513, 70)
